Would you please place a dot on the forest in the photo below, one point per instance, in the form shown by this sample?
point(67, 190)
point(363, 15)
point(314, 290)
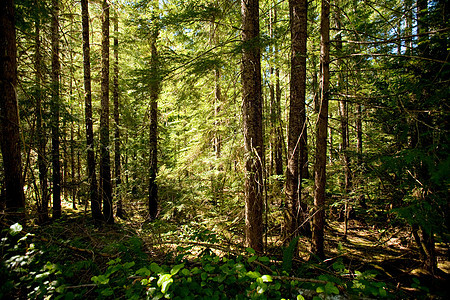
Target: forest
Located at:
point(222, 149)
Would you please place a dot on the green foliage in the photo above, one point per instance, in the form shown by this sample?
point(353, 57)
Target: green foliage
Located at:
point(288, 254)
point(24, 266)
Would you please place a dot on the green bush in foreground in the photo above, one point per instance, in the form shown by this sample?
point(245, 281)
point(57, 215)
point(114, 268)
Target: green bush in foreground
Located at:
point(29, 272)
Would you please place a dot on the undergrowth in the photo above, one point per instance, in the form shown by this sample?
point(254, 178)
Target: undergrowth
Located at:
point(99, 265)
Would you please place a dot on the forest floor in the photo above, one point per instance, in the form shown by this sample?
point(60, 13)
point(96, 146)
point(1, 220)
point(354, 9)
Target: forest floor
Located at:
point(389, 251)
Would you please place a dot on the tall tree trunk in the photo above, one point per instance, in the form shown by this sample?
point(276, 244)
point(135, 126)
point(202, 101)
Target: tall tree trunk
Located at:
point(359, 133)
point(276, 133)
point(9, 112)
point(424, 139)
point(343, 109)
point(56, 70)
point(252, 123)
point(216, 178)
point(73, 184)
point(321, 135)
point(42, 206)
point(154, 91)
point(105, 165)
point(296, 213)
point(343, 116)
point(93, 187)
point(279, 130)
point(117, 168)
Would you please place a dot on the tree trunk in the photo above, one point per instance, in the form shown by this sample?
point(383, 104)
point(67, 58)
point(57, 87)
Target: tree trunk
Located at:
point(321, 135)
point(359, 141)
point(117, 164)
point(424, 138)
point(276, 129)
point(56, 70)
point(343, 116)
point(296, 212)
point(9, 113)
point(105, 166)
point(42, 207)
point(154, 91)
point(279, 131)
point(252, 123)
point(93, 187)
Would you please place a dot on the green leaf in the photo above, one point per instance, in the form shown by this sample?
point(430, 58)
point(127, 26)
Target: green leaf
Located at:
point(143, 272)
point(15, 229)
point(176, 268)
point(252, 258)
point(266, 278)
point(164, 282)
point(320, 289)
point(250, 250)
point(128, 265)
point(330, 288)
point(100, 279)
point(382, 292)
point(185, 272)
point(263, 259)
point(300, 297)
point(253, 274)
point(155, 268)
point(261, 288)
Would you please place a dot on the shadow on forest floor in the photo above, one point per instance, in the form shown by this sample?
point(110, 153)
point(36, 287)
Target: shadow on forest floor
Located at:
point(393, 255)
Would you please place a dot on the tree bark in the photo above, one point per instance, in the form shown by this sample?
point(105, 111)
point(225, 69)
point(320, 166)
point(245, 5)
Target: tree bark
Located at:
point(321, 135)
point(252, 124)
point(117, 164)
point(296, 213)
point(9, 112)
point(105, 165)
point(42, 205)
point(56, 70)
point(154, 91)
point(276, 129)
point(93, 186)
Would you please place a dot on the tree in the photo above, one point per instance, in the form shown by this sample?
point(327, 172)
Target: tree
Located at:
point(296, 214)
point(252, 124)
point(56, 70)
point(276, 122)
point(154, 91)
point(9, 112)
point(93, 187)
point(117, 164)
point(343, 116)
point(105, 167)
point(42, 205)
point(321, 134)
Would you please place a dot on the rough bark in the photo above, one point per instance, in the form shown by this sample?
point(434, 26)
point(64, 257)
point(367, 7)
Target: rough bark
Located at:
point(93, 186)
point(42, 205)
point(296, 212)
point(276, 127)
point(343, 117)
point(154, 91)
point(252, 124)
point(9, 113)
point(105, 164)
point(117, 164)
point(56, 70)
point(343, 108)
point(321, 135)
point(359, 132)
